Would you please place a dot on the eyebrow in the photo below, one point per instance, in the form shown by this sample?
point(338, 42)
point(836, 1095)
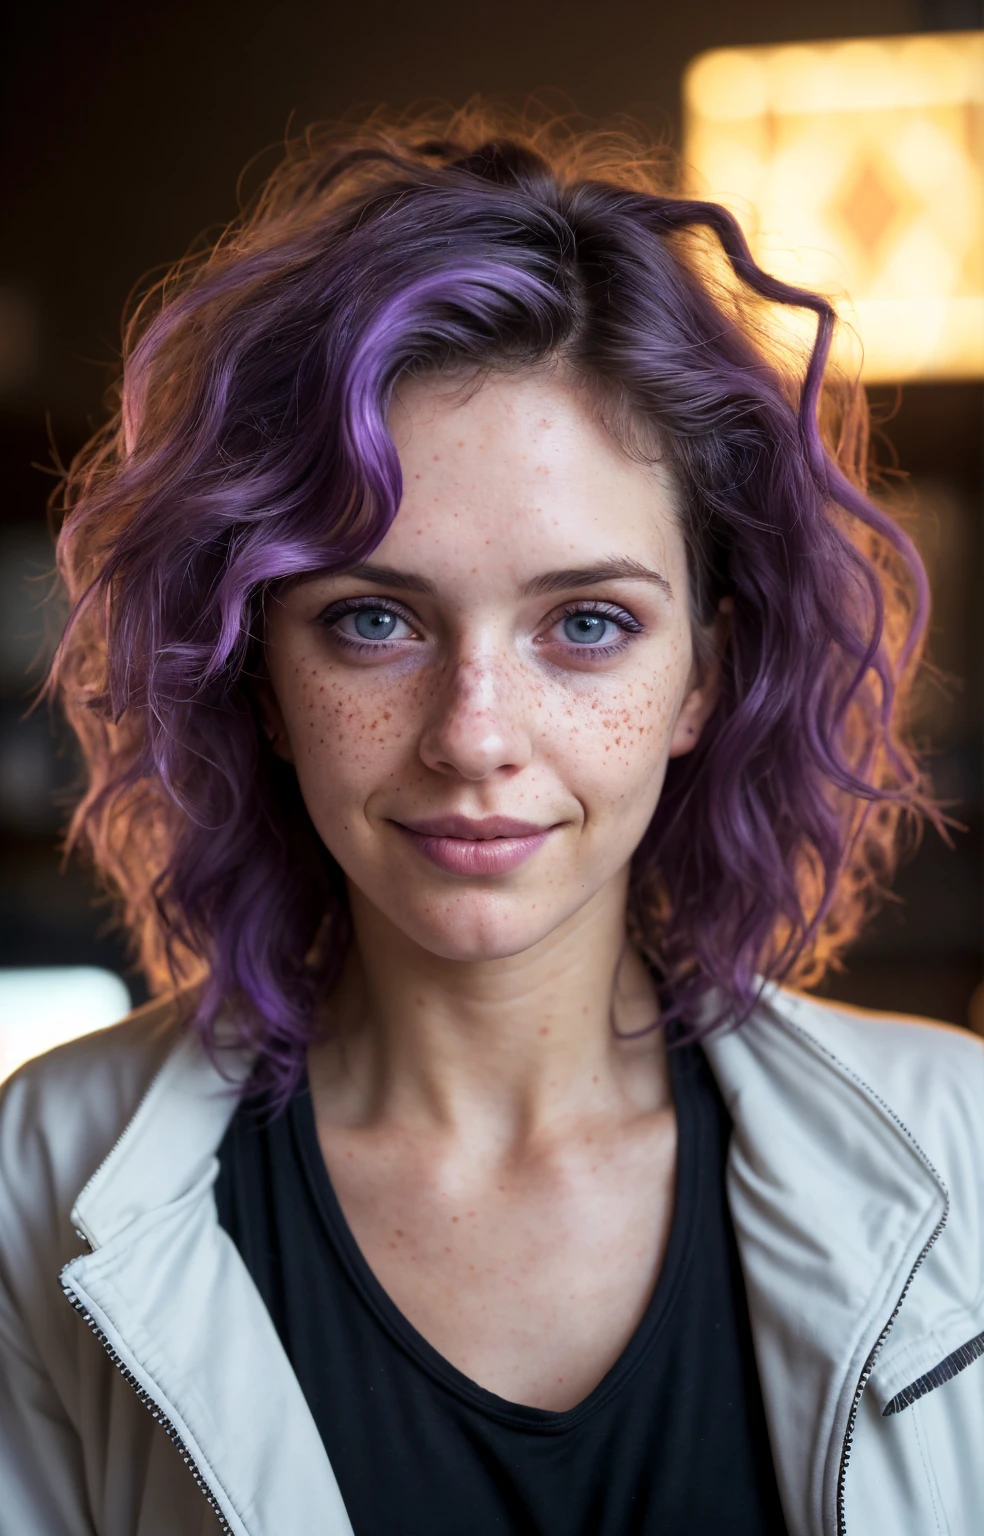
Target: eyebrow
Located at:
point(591, 575)
point(549, 581)
point(388, 576)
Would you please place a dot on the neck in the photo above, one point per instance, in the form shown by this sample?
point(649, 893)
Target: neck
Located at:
point(503, 1049)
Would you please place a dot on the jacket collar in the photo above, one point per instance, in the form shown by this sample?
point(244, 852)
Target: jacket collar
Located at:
point(179, 1313)
point(166, 1147)
point(833, 1204)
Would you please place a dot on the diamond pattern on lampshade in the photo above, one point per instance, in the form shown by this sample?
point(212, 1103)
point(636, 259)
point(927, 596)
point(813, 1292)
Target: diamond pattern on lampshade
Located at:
point(857, 168)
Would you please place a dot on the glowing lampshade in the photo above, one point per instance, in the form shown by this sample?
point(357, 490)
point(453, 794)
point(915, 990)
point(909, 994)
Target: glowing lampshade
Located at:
point(857, 168)
point(45, 1007)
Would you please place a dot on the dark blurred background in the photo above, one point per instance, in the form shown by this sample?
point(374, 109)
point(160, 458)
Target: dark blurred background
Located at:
point(125, 129)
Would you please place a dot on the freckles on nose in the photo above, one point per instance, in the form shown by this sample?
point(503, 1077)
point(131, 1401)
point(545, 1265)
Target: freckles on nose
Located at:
point(483, 689)
point(479, 711)
point(480, 718)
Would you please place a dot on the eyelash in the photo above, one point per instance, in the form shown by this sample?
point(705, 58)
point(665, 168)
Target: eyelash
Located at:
point(330, 617)
point(627, 624)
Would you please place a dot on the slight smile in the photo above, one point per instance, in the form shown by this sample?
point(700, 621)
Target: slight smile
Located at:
point(493, 845)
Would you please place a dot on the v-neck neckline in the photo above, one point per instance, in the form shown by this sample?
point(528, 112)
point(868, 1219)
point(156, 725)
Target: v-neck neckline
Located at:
point(689, 1182)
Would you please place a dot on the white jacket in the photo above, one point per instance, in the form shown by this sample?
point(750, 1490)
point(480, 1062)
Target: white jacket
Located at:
point(144, 1391)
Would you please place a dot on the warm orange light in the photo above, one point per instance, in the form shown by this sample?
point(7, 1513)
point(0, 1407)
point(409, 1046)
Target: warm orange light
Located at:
point(857, 168)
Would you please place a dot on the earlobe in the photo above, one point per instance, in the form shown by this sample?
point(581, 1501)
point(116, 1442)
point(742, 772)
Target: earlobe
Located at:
point(280, 743)
point(691, 720)
point(702, 699)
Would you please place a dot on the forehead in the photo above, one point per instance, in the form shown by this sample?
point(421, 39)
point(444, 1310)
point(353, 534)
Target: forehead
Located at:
point(519, 471)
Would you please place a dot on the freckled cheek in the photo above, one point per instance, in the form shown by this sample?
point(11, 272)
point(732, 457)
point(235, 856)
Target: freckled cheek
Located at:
point(345, 728)
point(627, 732)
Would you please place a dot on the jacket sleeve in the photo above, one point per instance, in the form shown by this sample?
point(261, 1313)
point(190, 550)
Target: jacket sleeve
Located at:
point(41, 1460)
point(41, 1470)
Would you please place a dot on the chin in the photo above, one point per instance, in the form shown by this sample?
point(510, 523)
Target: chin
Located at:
point(471, 936)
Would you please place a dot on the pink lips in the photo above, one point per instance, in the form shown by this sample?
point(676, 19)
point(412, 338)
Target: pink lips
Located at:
point(491, 846)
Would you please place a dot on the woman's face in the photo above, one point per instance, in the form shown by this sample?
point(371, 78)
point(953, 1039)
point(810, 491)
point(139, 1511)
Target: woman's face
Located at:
point(480, 717)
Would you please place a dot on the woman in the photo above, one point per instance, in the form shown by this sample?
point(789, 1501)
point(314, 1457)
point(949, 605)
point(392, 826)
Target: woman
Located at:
point(491, 675)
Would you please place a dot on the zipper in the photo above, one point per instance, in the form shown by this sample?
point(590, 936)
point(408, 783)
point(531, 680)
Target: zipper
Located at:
point(869, 1366)
point(869, 1363)
point(144, 1397)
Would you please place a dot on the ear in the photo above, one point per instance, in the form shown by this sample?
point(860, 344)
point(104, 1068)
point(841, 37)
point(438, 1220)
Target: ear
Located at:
point(704, 683)
point(271, 718)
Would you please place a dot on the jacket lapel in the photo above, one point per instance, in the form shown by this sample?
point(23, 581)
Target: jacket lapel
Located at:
point(833, 1204)
point(173, 1300)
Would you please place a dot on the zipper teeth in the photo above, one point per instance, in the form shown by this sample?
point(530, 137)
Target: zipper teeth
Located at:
point(869, 1363)
point(148, 1402)
point(869, 1366)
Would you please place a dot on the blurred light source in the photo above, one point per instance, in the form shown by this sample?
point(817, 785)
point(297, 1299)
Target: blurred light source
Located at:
point(857, 168)
point(43, 1008)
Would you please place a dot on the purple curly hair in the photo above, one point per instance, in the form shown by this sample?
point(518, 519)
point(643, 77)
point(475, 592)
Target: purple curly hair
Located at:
point(251, 445)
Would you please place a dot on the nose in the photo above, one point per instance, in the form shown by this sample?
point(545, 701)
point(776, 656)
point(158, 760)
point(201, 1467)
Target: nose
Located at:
point(479, 724)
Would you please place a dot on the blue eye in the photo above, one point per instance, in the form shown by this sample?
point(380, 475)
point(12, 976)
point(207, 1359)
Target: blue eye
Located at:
point(374, 623)
point(367, 627)
point(586, 628)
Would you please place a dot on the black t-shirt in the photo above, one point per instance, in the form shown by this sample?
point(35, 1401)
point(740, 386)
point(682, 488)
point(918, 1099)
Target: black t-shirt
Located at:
point(672, 1441)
